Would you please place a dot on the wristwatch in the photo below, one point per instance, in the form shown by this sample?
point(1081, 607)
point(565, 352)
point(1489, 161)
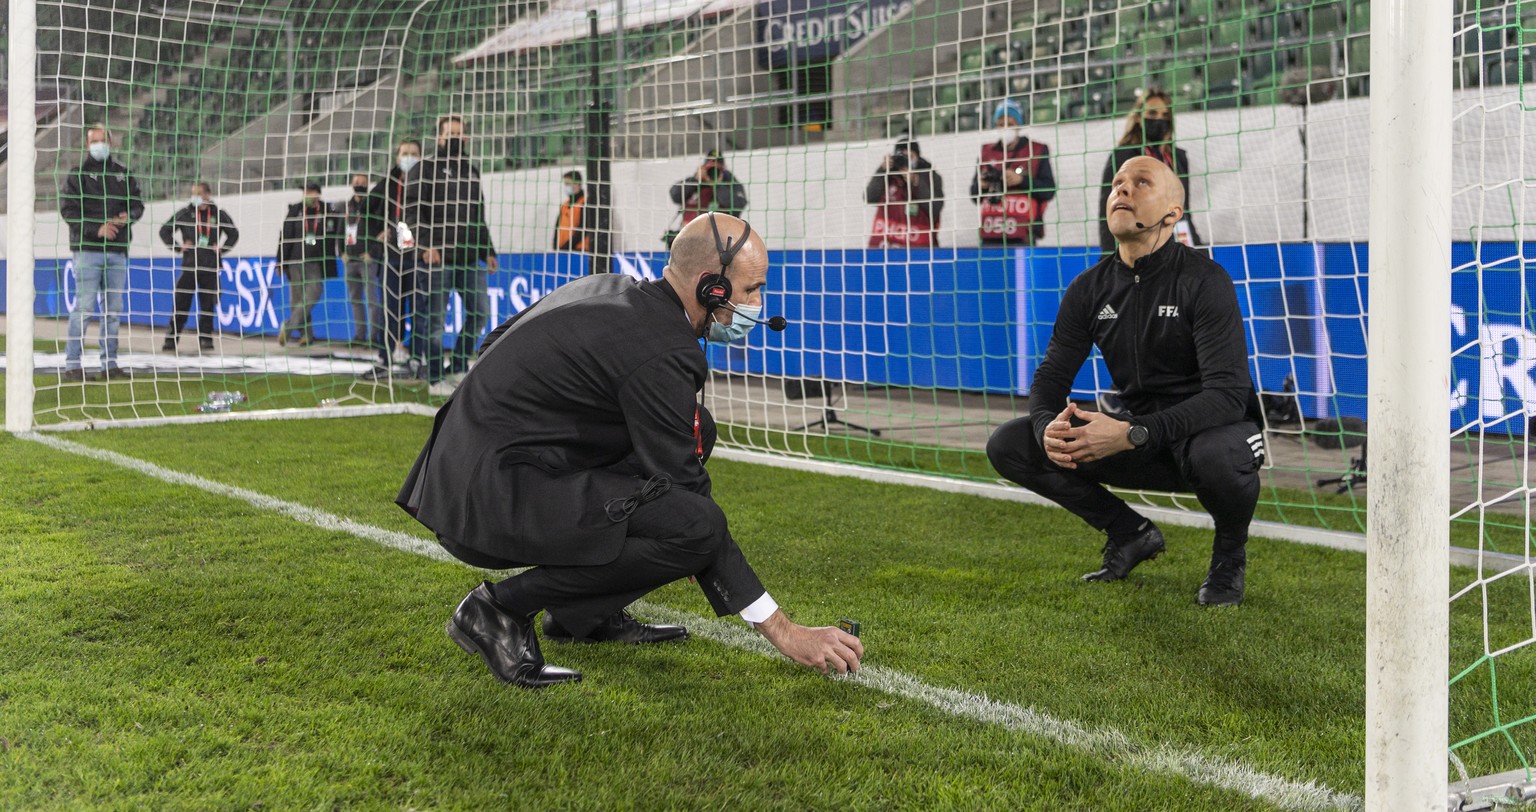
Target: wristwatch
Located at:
point(1138, 435)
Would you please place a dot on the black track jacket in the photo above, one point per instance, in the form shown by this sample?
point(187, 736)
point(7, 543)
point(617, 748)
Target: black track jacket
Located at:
point(1171, 334)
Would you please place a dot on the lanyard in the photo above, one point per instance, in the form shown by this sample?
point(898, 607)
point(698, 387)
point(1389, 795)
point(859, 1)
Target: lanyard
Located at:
point(1163, 154)
point(307, 228)
point(698, 438)
point(400, 199)
point(203, 228)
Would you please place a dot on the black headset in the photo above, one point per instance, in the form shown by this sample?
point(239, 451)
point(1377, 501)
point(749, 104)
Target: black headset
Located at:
point(714, 290)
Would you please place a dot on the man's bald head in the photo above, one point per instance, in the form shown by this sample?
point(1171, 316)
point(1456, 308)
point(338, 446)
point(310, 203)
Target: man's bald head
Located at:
point(694, 251)
point(1167, 180)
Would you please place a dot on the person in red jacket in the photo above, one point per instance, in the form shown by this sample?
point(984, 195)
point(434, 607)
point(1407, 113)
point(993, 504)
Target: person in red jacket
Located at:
point(1013, 182)
point(909, 197)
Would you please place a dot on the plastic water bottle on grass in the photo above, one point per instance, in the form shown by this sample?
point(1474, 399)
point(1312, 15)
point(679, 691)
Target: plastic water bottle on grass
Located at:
point(220, 402)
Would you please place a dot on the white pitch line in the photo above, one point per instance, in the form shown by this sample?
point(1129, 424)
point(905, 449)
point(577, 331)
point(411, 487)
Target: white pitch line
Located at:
point(1106, 743)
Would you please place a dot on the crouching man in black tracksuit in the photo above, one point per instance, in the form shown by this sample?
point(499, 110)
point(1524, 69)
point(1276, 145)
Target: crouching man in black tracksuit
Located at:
point(1166, 320)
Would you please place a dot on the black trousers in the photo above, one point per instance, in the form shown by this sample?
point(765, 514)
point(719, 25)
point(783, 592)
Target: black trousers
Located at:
point(205, 282)
point(674, 536)
point(1219, 465)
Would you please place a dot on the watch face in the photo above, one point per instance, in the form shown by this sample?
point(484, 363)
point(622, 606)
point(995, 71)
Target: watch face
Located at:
point(1138, 436)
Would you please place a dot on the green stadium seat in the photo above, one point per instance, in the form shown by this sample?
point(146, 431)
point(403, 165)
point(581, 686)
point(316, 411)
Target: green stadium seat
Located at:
point(970, 91)
point(922, 124)
point(972, 59)
point(1046, 109)
point(948, 95)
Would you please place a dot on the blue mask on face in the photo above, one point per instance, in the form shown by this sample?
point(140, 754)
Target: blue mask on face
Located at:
point(100, 150)
point(741, 324)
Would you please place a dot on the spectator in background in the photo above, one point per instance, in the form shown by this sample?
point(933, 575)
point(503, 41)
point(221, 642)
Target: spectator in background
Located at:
point(1149, 131)
point(454, 240)
point(100, 201)
point(1013, 182)
point(910, 199)
point(361, 254)
point(307, 254)
point(573, 231)
point(711, 188)
point(201, 232)
point(397, 237)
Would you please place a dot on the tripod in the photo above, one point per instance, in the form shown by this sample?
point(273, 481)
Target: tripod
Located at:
point(1345, 482)
point(801, 390)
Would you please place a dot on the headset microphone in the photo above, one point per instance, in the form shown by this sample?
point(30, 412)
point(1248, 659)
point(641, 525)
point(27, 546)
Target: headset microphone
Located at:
point(1161, 221)
point(775, 323)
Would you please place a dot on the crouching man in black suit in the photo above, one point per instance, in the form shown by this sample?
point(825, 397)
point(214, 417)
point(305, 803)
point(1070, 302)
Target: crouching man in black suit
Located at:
point(576, 446)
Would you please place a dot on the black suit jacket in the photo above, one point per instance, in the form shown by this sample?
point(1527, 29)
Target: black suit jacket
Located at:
point(573, 403)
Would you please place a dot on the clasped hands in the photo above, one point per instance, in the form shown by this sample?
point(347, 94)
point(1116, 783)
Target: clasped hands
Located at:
point(1099, 436)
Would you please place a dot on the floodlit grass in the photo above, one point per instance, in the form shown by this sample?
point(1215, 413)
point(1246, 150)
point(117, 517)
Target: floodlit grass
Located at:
point(170, 649)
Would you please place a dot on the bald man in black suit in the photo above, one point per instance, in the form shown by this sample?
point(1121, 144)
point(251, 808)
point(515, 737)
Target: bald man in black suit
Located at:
point(576, 447)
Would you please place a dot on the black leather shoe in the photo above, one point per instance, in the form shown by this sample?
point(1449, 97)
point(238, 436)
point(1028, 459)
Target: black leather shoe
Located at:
point(504, 641)
point(1224, 583)
point(619, 628)
point(169, 345)
point(205, 343)
point(1122, 557)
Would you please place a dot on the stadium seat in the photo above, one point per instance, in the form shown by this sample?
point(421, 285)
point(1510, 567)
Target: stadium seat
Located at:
point(1046, 109)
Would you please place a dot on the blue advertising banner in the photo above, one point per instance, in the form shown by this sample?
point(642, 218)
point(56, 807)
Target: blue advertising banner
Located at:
point(795, 32)
point(979, 320)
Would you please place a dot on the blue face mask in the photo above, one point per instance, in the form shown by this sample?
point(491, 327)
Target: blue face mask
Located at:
point(100, 150)
point(741, 324)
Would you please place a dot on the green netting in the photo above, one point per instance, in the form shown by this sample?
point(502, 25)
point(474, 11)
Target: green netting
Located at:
point(900, 358)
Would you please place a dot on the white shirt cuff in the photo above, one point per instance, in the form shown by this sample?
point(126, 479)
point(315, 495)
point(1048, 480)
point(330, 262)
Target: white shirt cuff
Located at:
point(760, 610)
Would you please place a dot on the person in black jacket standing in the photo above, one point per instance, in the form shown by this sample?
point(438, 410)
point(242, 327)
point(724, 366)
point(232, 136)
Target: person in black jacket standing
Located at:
point(1149, 131)
point(201, 232)
point(362, 254)
point(1167, 322)
point(100, 201)
point(397, 238)
point(577, 446)
point(454, 239)
point(307, 253)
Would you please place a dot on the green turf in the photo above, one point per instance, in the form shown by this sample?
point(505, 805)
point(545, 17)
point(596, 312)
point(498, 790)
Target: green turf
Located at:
point(167, 649)
point(960, 591)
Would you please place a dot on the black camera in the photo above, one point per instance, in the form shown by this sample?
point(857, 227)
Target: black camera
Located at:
point(991, 179)
point(899, 162)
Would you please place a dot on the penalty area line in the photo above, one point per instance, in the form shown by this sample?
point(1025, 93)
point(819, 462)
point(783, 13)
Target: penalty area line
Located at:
point(1107, 743)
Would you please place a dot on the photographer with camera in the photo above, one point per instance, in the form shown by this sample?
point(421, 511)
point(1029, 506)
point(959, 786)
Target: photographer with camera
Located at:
point(1013, 182)
point(711, 188)
point(910, 199)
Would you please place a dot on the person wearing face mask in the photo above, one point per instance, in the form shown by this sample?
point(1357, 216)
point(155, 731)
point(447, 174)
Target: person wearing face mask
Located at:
point(577, 446)
point(202, 233)
point(100, 200)
point(362, 218)
point(1013, 182)
point(573, 230)
point(1149, 131)
point(909, 196)
point(449, 210)
point(397, 240)
point(1166, 319)
point(307, 254)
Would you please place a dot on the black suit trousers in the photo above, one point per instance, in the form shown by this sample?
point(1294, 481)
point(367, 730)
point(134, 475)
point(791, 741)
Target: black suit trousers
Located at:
point(203, 281)
point(671, 537)
point(1219, 465)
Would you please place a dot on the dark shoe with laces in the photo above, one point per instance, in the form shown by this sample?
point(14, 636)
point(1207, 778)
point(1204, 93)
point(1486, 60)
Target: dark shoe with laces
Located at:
point(76, 375)
point(507, 643)
point(1120, 557)
point(169, 345)
point(1224, 583)
point(111, 373)
point(621, 627)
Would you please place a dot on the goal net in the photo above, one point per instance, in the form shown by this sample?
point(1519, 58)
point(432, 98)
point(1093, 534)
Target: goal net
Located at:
point(863, 141)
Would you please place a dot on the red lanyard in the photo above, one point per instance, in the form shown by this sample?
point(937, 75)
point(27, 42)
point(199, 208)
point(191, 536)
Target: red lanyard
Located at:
point(307, 228)
point(698, 438)
point(202, 228)
point(400, 199)
point(1163, 154)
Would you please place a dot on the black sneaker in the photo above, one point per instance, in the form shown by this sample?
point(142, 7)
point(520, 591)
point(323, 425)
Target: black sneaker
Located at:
point(1224, 583)
point(169, 345)
point(205, 343)
point(1121, 557)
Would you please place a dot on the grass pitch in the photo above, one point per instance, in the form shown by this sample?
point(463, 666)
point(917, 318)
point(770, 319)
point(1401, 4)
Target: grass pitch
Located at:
point(170, 649)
